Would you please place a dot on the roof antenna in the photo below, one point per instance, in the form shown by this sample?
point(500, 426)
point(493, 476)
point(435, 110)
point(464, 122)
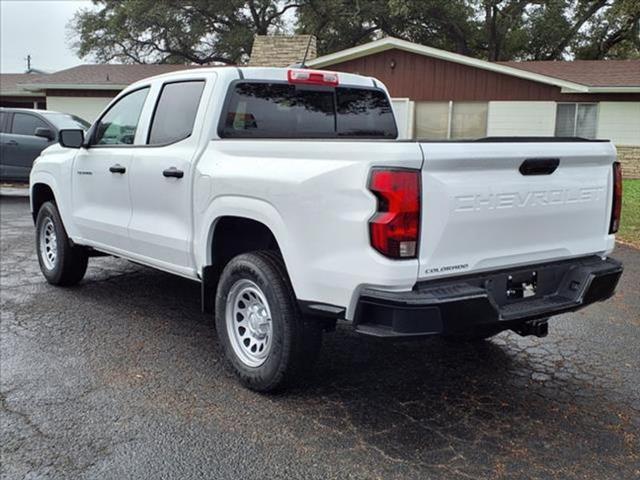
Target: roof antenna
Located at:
point(306, 52)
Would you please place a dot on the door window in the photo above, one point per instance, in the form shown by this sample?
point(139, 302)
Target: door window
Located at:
point(118, 126)
point(175, 112)
point(25, 124)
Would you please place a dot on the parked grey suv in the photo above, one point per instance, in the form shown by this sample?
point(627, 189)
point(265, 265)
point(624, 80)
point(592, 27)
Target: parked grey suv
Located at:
point(25, 133)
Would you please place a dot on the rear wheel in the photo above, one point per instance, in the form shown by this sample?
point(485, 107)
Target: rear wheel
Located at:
point(267, 342)
point(60, 262)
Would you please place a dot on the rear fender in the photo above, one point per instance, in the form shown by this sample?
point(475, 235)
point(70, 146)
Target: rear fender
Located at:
point(249, 208)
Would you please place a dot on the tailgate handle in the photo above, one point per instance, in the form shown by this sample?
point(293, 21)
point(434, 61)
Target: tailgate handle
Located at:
point(539, 166)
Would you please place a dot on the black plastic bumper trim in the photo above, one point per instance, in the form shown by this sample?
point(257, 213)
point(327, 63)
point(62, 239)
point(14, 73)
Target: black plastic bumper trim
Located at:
point(479, 301)
point(323, 310)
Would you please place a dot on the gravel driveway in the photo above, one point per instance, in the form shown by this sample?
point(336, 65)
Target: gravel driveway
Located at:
point(122, 377)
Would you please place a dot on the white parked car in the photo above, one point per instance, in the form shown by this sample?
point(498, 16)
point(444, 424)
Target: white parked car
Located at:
point(286, 194)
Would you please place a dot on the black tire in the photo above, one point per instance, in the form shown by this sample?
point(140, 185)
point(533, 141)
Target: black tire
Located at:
point(70, 262)
point(295, 344)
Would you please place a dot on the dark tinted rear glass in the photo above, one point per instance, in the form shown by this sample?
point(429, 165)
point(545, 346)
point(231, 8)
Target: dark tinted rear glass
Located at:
point(281, 110)
point(175, 112)
point(364, 113)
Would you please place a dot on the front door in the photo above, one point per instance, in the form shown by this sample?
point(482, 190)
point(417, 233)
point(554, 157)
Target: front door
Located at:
point(21, 146)
point(101, 193)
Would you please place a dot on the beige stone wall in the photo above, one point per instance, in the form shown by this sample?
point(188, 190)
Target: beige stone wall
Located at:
point(281, 50)
point(630, 159)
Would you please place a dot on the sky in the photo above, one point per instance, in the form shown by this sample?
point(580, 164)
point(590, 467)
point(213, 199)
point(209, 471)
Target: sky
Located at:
point(38, 28)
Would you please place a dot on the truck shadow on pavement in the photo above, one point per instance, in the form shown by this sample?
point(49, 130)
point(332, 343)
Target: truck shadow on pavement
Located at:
point(509, 403)
point(130, 342)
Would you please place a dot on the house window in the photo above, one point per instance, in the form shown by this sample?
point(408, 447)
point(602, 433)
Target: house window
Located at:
point(576, 120)
point(450, 120)
point(432, 120)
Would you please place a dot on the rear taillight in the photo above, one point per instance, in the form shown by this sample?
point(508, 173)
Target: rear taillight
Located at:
point(617, 198)
point(395, 227)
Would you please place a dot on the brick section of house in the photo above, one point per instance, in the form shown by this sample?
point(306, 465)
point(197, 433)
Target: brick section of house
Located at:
point(629, 157)
point(281, 50)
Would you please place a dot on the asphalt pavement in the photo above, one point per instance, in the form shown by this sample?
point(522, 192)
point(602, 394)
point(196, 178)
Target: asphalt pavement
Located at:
point(122, 377)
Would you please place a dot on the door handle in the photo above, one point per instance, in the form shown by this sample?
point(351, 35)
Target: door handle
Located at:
point(11, 143)
point(173, 172)
point(117, 168)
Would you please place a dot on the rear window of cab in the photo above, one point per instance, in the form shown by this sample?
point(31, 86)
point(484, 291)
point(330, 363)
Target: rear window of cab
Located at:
point(283, 110)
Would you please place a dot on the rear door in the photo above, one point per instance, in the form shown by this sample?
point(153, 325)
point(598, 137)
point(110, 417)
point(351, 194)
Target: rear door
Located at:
point(162, 174)
point(484, 208)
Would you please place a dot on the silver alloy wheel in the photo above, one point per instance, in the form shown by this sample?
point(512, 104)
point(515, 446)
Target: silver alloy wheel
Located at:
point(249, 323)
point(48, 244)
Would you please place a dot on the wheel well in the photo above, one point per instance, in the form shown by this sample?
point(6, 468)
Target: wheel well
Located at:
point(40, 193)
point(235, 235)
point(232, 236)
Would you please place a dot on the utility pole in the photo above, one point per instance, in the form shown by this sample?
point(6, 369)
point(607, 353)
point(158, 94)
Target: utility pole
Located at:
point(28, 59)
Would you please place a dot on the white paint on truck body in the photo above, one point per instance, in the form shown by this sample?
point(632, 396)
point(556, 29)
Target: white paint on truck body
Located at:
point(478, 211)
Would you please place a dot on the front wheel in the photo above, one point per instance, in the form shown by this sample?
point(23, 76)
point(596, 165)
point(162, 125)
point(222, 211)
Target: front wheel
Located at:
point(61, 263)
point(265, 338)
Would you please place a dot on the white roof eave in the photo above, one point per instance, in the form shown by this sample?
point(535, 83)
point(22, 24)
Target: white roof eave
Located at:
point(20, 93)
point(627, 89)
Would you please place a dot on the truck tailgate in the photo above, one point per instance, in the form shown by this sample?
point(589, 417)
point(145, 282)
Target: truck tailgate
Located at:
point(480, 212)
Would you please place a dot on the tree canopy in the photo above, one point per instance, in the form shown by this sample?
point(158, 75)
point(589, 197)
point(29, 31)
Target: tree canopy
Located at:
point(207, 31)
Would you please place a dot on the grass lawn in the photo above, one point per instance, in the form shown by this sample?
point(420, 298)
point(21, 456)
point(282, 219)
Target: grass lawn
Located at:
point(630, 222)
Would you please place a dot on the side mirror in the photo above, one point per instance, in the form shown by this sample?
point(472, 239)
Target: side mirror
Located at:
point(44, 133)
point(71, 138)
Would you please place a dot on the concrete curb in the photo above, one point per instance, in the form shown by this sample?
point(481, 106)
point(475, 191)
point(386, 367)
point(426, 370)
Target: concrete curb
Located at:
point(14, 191)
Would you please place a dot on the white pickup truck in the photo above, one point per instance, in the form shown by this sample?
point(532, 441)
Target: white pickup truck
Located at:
point(286, 194)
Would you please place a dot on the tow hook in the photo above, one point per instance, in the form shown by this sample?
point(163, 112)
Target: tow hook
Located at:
point(539, 328)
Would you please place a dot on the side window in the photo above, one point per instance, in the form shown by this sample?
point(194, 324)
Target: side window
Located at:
point(175, 112)
point(25, 124)
point(4, 116)
point(118, 126)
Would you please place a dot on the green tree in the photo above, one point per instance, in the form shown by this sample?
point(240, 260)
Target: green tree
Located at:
point(205, 31)
point(175, 31)
point(490, 29)
point(340, 24)
point(614, 32)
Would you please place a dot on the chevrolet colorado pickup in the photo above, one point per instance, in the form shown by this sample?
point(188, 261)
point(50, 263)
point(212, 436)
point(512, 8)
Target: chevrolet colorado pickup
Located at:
point(286, 194)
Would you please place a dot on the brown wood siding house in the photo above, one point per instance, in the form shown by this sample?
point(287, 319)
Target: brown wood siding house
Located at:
point(443, 95)
point(422, 78)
